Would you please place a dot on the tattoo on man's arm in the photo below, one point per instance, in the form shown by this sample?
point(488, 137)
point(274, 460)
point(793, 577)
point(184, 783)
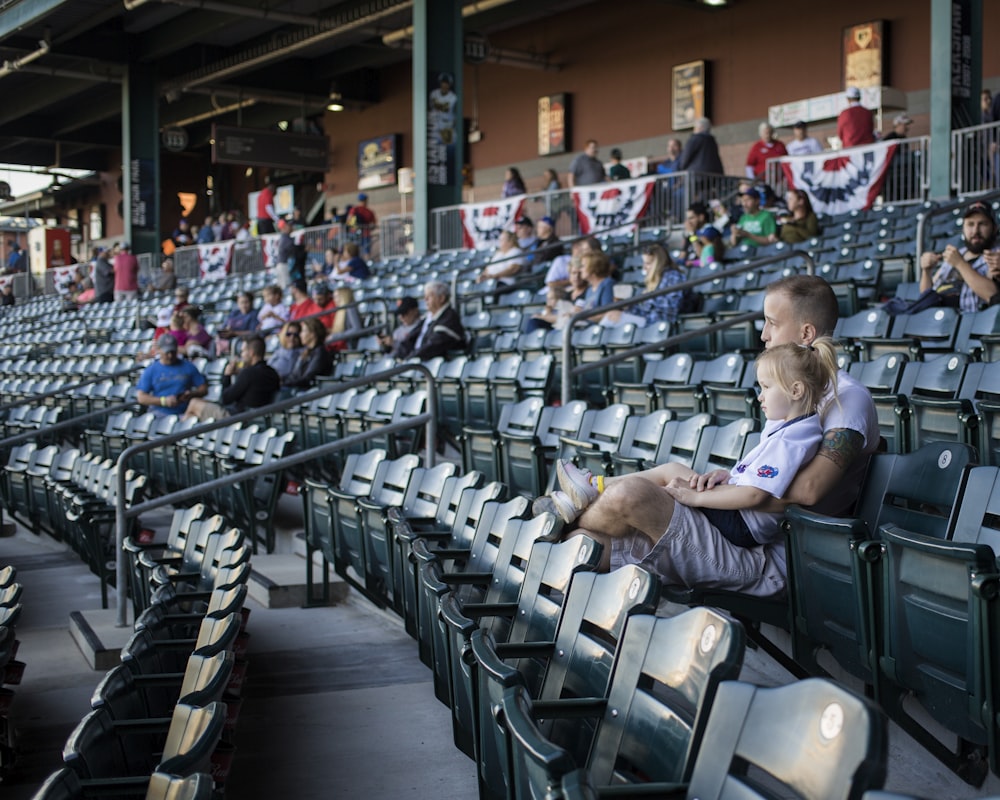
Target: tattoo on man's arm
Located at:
point(841, 446)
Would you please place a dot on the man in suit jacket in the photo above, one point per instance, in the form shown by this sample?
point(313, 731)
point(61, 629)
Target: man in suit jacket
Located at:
point(440, 332)
point(701, 152)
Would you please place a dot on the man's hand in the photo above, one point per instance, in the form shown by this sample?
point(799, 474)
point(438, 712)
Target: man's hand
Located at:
point(170, 401)
point(992, 259)
point(929, 261)
point(952, 256)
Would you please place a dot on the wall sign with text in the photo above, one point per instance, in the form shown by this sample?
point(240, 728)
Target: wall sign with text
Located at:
point(864, 55)
point(378, 160)
point(553, 124)
point(688, 91)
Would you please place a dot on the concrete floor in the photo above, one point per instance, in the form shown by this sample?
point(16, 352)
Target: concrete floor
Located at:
point(337, 704)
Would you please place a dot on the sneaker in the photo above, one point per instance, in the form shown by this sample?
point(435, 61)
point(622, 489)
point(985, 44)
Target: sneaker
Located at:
point(575, 482)
point(542, 504)
point(563, 506)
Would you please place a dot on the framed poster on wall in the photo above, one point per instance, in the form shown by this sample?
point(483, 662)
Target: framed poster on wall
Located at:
point(864, 55)
point(378, 160)
point(553, 124)
point(688, 92)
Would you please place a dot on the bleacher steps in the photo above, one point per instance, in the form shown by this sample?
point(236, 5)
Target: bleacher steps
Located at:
point(98, 637)
point(279, 581)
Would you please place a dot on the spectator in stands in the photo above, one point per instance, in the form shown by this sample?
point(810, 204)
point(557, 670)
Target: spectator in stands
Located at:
point(408, 320)
point(302, 304)
point(322, 300)
point(618, 171)
point(241, 320)
point(586, 169)
point(660, 272)
point(7, 294)
point(169, 383)
point(441, 331)
point(556, 312)
point(181, 236)
point(524, 230)
point(695, 218)
point(513, 183)
point(701, 151)
point(558, 275)
point(16, 259)
point(285, 257)
point(352, 265)
point(761, 151)
point(638, 517)
point(855, 124)
point(800, 223)
point(256, 384)
point(273, 313)
point(900, 128)
point(756, 226)
point(206, 233)
point(199, 340)
point(551, 179)
point(126, 268)
point(360, 221)
point(267, 217)
point(176, 328)
point(166, 280)
point(289, 349)
point(711, 246)
point(673, 160)
point(314, 360)
point(965, 272)
point(547, 246)
point(104, 277)
point(596, 271)
point(346, 319)
point(802, 143)
point(507, 261)
point(331, 261)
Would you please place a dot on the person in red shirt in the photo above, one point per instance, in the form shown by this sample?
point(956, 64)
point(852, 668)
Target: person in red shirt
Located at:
point(855, 124)
point(126, 274)
point(266, 215)
point(764, 148)
point(304, 306)
point(361, 223)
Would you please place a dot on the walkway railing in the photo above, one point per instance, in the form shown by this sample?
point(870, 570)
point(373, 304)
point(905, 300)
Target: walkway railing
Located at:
point(672, 194)
point(975, 159)
point(906, 181)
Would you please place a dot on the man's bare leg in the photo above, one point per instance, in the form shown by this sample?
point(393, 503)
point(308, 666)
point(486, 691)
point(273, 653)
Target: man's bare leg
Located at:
point(632, 504)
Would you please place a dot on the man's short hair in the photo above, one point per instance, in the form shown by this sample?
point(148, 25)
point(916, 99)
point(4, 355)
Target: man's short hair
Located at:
point(439, 288)
point(256, 346)
point(813, 300)
point(702, 125)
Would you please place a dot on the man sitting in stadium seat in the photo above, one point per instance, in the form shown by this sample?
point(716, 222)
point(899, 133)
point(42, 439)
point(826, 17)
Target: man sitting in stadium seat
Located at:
point(632, 514)
point(247, 382)
point(168, 383)
point(756, 226)
point(440, 332)
point(969, 271)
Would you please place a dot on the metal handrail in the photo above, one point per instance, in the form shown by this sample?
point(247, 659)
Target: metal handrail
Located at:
point(567, 344)
point(123, 514)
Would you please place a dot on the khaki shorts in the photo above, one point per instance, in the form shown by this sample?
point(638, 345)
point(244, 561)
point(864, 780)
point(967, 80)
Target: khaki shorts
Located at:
point(692, 553)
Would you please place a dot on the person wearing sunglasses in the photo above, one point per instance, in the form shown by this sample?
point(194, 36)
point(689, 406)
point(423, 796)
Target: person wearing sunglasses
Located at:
point(284, 359)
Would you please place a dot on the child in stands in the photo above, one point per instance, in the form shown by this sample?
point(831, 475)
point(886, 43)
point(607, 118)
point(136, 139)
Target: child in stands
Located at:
point(794, 380)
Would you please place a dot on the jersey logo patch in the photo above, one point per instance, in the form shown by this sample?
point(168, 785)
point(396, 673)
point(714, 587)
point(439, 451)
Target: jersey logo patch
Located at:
point(767, 472)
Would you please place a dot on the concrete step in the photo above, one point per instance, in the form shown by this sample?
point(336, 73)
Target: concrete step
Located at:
point(98, 637)
point(279, 581)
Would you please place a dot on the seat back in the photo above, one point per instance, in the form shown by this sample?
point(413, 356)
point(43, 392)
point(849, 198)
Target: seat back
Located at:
point(192, 738)
point(758, 737)
point(198, 786)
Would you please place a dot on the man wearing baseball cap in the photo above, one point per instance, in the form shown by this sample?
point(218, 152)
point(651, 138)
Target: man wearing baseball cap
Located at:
point(168, 383)
point(855, 124)
point(525, 230)
point(547, 246)
point(408, 316)
point(972, 270)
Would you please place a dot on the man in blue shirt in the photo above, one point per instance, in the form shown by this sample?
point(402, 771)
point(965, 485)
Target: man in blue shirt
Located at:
point(168, 383)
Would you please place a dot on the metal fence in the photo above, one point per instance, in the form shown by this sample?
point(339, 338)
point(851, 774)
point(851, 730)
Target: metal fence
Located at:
point(975, 159)
point(672, 194)
point(906, 181)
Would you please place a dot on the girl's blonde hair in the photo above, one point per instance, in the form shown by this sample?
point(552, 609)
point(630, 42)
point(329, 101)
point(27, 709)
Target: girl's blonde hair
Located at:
point(661, 263)
point(342, 296)
point(813, 365)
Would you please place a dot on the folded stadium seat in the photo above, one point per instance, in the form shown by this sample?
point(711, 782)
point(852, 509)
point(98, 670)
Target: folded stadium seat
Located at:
point(352, 420)
point(936, 630)
point(356, 481)
point(479, 328)
point(576, 662)
point(11, 483)
point(128, 696)
point(729, 389)
point(531, 616)
point(600, 434)
point(162, 466)
point(650, 726)
point(225, 550)
point(722, 446)
point(485, 591)
point(865, 324)
point(533, 379)
point(529, 443)
point(680, 441)
point(983, 336)
point(64, 784)
point(450, 402)
point(477, 379)
point(834, 584)
point(168, 619)
point(100, 749)
point(640, 441)
point(931, 331)
point(197, 535)
point(588, 347)
point(937, 405)
point(146, 654)
point(450, 543)
point(256, 499)
point(406, 408)
point(886, 377)
point(856, 284)
point(642, 395)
